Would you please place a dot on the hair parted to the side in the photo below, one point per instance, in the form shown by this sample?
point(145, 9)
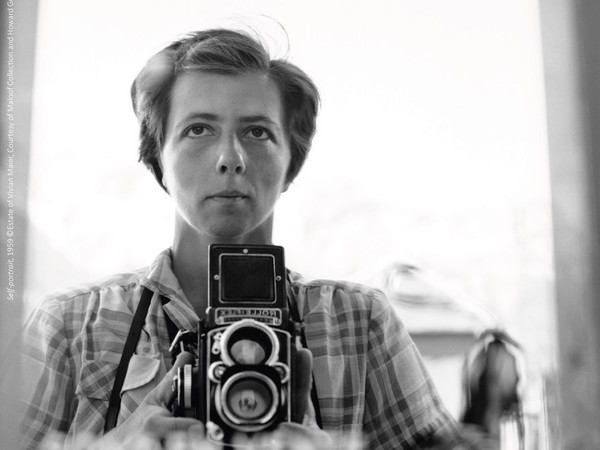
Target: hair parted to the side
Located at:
point(227, 52)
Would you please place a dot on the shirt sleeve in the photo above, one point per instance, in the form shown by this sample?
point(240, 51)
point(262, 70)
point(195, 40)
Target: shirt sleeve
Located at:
point(46, 375)
point(402, 407)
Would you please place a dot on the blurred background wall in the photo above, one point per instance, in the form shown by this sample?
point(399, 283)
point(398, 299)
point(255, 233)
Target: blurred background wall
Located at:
point(572, 76)
point(431, 146)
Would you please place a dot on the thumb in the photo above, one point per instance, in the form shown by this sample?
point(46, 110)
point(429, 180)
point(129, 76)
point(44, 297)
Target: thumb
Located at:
point(163, 393)
point(303, 382)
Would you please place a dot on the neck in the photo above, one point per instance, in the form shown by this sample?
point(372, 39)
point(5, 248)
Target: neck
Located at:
point(190, 258)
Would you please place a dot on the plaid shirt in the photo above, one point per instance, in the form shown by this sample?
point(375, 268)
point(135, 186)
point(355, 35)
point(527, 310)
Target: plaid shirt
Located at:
point(368, 373)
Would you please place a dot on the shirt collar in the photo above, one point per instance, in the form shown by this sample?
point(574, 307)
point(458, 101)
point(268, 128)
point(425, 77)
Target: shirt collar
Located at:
point(160, 278)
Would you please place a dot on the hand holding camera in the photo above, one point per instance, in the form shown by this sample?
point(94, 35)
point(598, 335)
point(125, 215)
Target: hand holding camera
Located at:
point(153, 417)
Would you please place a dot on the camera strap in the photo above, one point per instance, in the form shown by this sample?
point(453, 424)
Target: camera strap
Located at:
point(293, 305)
point(139, 317)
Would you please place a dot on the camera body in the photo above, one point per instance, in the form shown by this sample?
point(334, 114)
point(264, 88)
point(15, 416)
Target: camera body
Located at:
point(242, 379)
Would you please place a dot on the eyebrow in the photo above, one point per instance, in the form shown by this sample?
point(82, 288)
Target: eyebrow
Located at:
point(199, 115)
point(245, 119)
point(259, 118)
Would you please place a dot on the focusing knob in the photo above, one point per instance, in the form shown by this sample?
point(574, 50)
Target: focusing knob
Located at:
point(187, 386)
point(214, 432)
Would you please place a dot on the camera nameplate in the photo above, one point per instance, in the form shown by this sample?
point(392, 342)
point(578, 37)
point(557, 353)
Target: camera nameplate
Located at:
point(269, 316)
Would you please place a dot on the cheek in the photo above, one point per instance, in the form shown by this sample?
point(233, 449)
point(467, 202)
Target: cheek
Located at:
point(279, 167)
point(276, 185)
point(176, 171)
point(274, 175)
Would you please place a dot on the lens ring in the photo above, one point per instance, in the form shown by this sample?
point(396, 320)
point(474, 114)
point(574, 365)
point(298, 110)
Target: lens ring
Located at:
point(233, 419)
point(255, 326)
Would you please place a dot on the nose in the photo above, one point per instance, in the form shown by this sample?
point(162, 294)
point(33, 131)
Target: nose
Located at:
point(231, 157)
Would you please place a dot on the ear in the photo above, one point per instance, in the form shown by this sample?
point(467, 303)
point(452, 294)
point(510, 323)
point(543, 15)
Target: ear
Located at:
point(159, 174)
point(162, 172)
point(289, 179)
point(286, 186)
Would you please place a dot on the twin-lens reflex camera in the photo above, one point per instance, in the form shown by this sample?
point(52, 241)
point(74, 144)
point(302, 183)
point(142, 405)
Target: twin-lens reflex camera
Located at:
point(242, 378)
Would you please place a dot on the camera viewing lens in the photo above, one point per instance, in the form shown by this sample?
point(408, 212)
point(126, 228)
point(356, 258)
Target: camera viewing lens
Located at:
point(249, 342)
point(247, 351)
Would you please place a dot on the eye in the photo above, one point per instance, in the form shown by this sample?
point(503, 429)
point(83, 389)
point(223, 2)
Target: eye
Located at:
point(197, 130)
point(258, 133)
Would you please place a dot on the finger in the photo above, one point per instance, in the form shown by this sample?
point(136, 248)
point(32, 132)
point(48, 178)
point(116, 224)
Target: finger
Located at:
point(303, 382)
point(163, 425)
point(160, 426)
point(134, 441)
point(300, 436)
point(196, 432)
point(163, 393)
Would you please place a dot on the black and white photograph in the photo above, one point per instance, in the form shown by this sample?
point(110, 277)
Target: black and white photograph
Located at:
point(308, 225)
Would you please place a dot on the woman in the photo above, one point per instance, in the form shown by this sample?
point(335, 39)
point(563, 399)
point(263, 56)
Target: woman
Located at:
point(225, 130)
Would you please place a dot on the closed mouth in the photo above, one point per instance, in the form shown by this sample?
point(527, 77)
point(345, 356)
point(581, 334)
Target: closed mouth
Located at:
point(228, 196)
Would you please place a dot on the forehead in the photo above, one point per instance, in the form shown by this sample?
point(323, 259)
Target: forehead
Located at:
point(226, 96)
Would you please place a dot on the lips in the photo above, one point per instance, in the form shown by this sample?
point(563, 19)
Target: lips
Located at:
point(228, 196)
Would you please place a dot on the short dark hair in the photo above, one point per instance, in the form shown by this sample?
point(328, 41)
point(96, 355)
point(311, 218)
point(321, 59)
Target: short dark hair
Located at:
point(226, 52)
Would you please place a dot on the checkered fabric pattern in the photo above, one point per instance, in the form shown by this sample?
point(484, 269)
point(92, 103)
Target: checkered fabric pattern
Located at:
point(368, 373)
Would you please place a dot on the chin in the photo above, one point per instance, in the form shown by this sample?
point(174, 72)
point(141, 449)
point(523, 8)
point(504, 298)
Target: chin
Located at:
point(228, 233)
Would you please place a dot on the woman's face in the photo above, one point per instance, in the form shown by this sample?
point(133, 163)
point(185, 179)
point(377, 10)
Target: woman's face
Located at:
point(226, 154)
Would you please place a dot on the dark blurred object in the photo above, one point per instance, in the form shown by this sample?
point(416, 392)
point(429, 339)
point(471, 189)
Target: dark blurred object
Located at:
point(492, 374)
